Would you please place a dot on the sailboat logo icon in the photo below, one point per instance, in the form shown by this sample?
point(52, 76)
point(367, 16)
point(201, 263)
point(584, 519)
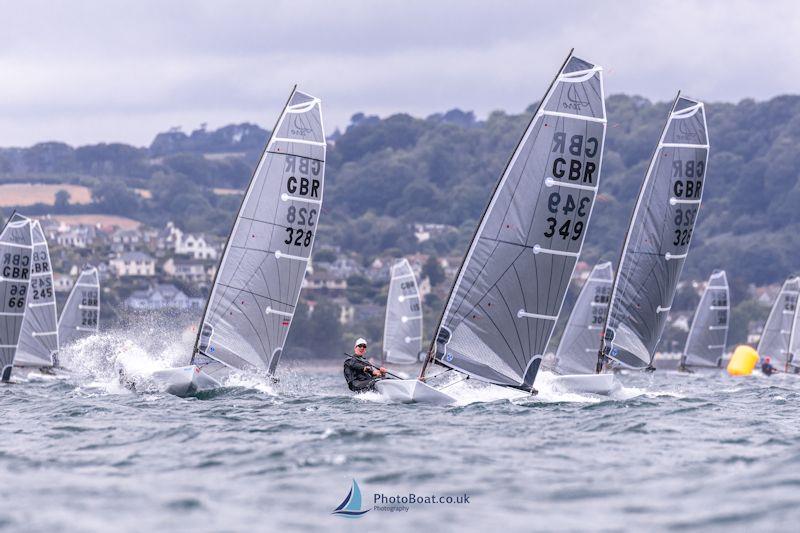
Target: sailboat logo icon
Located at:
point(351, 505)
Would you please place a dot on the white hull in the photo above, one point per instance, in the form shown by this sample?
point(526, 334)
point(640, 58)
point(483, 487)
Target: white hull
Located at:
point(184, 381)
point(412, 390)
point(587, 383)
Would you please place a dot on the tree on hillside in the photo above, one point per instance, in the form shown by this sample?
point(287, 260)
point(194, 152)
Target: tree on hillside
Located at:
point(433, 271)
point(62, 199)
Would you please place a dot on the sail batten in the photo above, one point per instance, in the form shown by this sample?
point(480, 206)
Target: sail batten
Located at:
point(502, 307)
point(577, 351)
point(255, 292)
point(402, 328)
point(80, 316)
point(705, 344)
point(776, 338)
point(16, 251)
point(658, 238)
point(38, 342)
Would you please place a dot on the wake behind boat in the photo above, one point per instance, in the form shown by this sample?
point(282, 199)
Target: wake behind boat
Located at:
point(255, 290)
point(511, 285)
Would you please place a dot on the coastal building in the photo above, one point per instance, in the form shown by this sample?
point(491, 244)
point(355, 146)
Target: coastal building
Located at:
point(133, 264)
point(162, 296)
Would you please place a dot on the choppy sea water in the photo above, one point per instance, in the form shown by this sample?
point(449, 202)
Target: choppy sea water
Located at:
point(704, 451)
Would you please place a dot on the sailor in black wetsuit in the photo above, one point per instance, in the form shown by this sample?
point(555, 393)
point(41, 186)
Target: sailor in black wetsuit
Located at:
point(359, 373)
point(766, 367)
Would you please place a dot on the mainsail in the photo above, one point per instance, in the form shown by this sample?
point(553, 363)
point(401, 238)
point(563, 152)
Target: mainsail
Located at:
point(511, 285)
point(793, 362)
point(775, 338)
point(255, 292)
point(708, 335)
point(15, 249)
point(38, 341)
point(577, 351)
point(658, 237)
point(80, 316)
point(402, 329)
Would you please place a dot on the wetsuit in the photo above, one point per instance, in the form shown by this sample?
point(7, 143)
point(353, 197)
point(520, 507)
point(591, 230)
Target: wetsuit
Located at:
point(767, 369)
point(357, 379)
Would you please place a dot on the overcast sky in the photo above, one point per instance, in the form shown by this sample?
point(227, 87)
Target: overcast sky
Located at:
point(103, 71)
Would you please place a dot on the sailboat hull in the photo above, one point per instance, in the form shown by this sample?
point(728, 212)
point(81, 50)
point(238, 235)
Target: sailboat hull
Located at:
point(184, 381)
point(587, 383)
point(412, 391)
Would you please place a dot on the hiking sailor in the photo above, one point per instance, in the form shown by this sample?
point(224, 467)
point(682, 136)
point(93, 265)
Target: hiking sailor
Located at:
point(359, 373)
point(766, 367)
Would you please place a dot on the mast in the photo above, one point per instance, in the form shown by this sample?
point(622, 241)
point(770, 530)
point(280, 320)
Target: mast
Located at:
point(236, 218)
point(657, 239)
point(432, 347)
point(512, 282)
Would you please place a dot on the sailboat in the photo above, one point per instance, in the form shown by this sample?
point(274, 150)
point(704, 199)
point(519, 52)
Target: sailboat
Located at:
point(38, 340)
point(511, 285)
point(658, 239)
point(576, 357)
point(775, 339)
point(16, 250)
point(80, 317)
point(793, 361)
point(708, 336)
point(402, 327)
point(256, 287)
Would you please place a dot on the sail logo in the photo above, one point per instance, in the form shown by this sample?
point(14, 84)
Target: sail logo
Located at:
point(686, 132)
point(299, 128)
point(351, 505)
point(576, 101)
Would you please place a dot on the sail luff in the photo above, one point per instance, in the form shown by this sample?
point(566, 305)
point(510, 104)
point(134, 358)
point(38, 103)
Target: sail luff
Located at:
point(16, 245)
point(402, 327)
point(512, 283)
point(668, 202)
point(793, 358)
point(432, 348)
point(80, 316)
point(774, 340)
point(38, 343)
point(709, 324)
point(236, 220)
point(255, 293)
point(576, 353)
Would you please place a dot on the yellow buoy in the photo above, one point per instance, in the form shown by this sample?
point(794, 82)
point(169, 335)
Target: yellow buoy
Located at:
point(743, 361)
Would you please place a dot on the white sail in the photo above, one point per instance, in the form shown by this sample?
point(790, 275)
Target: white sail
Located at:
point(16, 249)
point(658, 237)
point(511, 285)
point(253, 299)
point(80, 316)
point(577, 351)
point(38, 341)
point(708, 336)
point(774, 341)
point(402, 328)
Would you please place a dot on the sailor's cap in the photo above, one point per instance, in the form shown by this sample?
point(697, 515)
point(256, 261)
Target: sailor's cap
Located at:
point(360, 341)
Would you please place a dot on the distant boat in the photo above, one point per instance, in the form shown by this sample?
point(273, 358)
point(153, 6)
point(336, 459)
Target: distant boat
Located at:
point(776, 337)
point(80, 317)
point(16, 250)
point(511, 285)
point(38, 340)
point(402, 327)
point(576, 358)
point(708, 336)
point(793, 361)
point(658, 239)
point(255, 291)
